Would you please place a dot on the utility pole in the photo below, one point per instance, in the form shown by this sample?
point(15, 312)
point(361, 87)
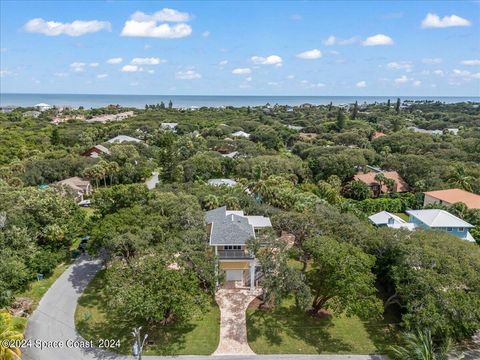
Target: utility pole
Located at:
point(138, 344)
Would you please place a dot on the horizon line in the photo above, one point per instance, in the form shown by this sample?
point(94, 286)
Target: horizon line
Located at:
point(238, 95)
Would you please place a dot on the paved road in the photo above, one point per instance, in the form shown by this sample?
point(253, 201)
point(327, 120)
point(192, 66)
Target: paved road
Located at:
point(53, 320)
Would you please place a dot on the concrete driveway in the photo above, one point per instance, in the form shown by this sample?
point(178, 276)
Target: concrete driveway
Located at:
point(233, 304)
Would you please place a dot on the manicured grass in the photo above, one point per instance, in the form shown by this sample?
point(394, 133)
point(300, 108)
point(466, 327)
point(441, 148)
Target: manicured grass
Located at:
point(402, 216)
point(198, 337)
point(37, 289)
point(287, 330)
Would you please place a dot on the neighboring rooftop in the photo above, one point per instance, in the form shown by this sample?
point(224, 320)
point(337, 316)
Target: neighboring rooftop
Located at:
point(220, 182)
point(436, 218)
point(168, 125)
point(384, 218)
point(241, 134)
point(75, 183)
point(123, 138)
point(369, 179)
point(453, 196)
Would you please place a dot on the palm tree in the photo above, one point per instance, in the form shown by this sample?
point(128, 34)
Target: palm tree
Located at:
point(8, 332)
point(211, 202)
point(460, 178)
point(419, 346)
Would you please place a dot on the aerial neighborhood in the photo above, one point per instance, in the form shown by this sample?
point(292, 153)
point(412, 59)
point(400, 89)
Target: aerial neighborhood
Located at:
point(233, 220)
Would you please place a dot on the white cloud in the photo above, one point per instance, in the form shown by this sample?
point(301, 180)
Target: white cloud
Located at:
point(361, 84)
point(77, 66)
point(333, 40)
point(145, 25)
point(147, 61)
point(188, 75)
point(308, 84)
point(135, 28)
point(117, 60)
point(164, 15)
point(432, 61)
point(471, 62)
point(131, 68)
point(135, 83)
point(439, 72)
point(223, 62)
point(417, 83)
point(273, 83)
point(269, 60)
point(75, 28)
point(465, 74)
point(94, 64)
point(147, 46)
point(310, 54)
point(379, 39)
point(206, 34)
point(241, 71)
point(296, 17)
point(402, 65)
point(291, 77)
point(434, 21)
point(60, 74)
point(248, 78)
point(4, 73)
point(151, 71)
point(402, 80)
point(102, 76)
point(320, 85)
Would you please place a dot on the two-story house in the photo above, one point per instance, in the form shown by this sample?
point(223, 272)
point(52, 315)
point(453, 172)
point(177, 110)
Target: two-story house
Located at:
point(442, 220)
point(229, 232)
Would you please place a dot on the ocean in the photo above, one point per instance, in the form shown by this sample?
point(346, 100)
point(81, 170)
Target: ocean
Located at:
point(188, 101)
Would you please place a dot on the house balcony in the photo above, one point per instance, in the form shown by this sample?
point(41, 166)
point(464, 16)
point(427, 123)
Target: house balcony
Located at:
point(234, 254)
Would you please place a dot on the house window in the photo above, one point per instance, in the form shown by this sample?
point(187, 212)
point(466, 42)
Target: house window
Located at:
point(461, 229)
point(449, 229)
point(232, 247)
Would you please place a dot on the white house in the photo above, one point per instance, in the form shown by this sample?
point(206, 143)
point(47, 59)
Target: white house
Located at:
point(123, 138)
point(384, 218)
point(241, 134)
point(222, 182)
point(169, 126)
point(229, 232)
point(43, 106)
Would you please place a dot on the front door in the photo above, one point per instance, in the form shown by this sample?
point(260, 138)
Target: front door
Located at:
point(234, 275)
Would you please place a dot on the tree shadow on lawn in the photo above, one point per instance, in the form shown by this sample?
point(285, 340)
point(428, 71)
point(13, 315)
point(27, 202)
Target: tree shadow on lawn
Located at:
point(95, 321)
point(297, 325)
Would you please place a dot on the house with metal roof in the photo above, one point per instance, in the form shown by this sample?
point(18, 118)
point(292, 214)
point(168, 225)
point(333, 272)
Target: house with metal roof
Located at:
point(241, 134)
point(442, 220)
point(222, 182)
point(123, 138)
point(384, 218)
point(229, 232)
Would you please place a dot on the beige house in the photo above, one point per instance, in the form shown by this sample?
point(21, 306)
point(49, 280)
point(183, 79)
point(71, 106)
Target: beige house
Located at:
point(452, 196)
point(77, 186)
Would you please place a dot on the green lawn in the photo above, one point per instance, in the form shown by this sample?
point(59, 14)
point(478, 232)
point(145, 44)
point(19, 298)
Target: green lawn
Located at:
point(402, 216)
point(286, 330)
point(198, 337)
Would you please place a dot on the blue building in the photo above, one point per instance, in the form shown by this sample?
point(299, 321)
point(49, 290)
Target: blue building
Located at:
point(442, 220)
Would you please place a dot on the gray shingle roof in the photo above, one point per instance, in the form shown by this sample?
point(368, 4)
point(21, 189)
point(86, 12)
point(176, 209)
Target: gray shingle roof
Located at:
point(228, 229)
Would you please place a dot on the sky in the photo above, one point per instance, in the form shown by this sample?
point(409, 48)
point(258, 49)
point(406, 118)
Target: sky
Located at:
point(363, 48)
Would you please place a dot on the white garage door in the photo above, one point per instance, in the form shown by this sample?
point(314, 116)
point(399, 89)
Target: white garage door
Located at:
point(234, 275)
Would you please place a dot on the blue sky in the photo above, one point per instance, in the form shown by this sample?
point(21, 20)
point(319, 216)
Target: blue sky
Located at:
point(241, 48)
